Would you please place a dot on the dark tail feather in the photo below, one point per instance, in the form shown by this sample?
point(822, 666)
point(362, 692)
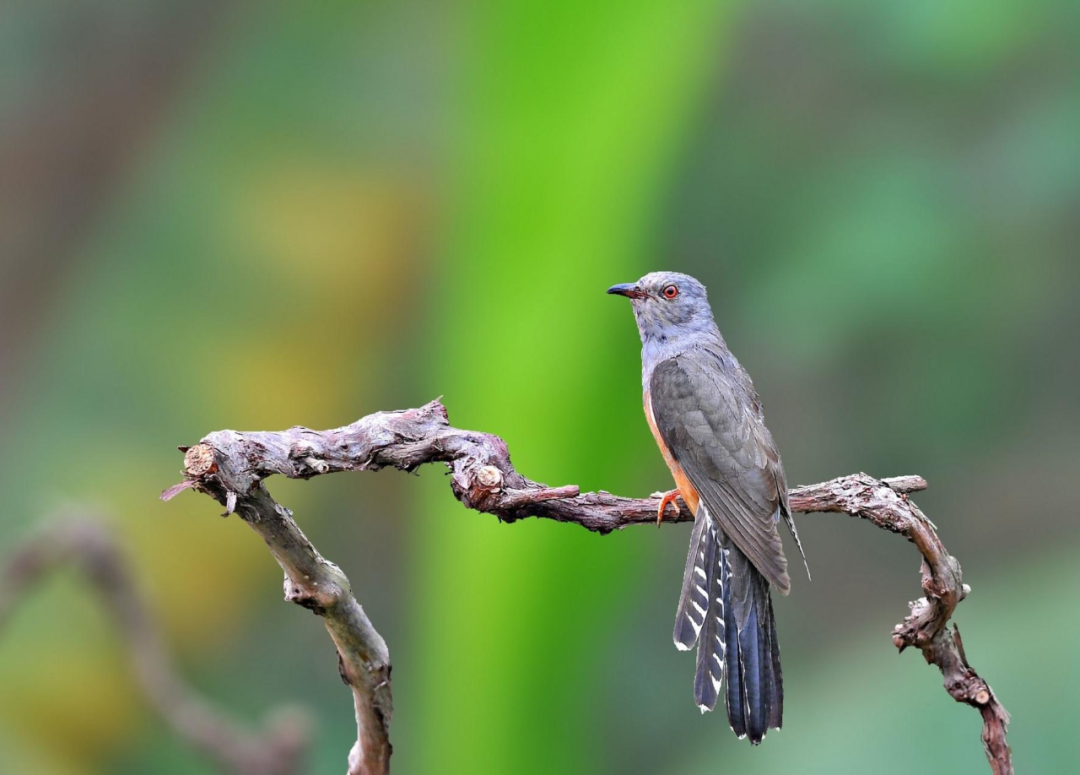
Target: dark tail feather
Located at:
point(735, 700)
point(755, 692)
point(725, 608)
point(776, 682)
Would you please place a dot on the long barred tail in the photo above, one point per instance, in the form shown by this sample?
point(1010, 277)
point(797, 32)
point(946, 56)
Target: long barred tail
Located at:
point(725, 608)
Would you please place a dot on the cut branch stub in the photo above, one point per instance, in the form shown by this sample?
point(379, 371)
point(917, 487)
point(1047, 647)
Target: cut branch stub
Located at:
point(199, 461)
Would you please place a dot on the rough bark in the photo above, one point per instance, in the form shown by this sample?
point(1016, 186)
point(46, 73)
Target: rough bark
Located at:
point(927, 627)
point(230, 466)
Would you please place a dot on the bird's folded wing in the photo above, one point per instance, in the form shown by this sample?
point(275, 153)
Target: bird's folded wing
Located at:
point(719, 440)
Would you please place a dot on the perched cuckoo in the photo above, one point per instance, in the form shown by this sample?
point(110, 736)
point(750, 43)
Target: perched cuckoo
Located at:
point(708, 423)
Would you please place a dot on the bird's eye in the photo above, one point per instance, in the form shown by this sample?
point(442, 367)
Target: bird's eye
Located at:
point(670, 292)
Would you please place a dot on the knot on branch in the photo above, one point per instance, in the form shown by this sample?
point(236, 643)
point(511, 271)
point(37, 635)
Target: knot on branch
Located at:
point(307, 461)
point(488, 477)
point(478, 487)
point(311, 595)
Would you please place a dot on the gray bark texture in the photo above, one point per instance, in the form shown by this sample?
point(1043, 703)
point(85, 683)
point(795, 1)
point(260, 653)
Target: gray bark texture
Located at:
point(230, 466)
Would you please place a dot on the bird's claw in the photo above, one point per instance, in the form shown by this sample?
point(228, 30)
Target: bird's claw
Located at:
point(665, 499)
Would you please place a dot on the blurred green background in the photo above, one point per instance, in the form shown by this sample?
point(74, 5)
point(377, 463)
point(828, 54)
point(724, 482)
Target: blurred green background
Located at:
point(255, 215)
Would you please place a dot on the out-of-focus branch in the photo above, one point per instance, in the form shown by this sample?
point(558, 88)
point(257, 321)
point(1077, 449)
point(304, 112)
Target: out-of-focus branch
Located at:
point(88, 544)
point(230, 466)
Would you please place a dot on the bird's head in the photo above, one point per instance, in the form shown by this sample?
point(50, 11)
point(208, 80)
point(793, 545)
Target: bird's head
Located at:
point(669, 306)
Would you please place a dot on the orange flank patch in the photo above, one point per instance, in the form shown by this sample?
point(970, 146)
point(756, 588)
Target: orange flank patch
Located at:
point(686, 490)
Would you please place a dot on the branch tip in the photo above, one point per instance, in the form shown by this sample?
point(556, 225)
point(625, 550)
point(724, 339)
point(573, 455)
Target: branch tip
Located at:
point(176, 489)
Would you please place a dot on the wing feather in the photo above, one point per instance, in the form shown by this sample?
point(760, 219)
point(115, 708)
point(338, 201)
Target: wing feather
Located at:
point(712, 424)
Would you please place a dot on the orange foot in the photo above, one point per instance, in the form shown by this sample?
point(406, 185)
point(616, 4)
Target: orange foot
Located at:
point(669, 497)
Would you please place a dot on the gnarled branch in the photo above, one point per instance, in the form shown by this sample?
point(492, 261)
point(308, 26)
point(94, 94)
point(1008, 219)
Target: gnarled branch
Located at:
point(88, 544)
point(230, 466)
point(927, 627)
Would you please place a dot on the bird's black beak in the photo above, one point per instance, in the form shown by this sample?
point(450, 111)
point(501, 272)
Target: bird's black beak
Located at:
point(628, 290)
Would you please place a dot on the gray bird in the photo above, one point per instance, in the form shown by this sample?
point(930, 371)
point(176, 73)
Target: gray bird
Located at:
point(708, 422)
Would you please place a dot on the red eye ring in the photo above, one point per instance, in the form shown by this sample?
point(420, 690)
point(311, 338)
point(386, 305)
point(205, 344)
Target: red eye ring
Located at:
point(670, 292)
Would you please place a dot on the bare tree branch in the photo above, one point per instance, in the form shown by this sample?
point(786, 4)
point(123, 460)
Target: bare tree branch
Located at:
point(230, 466)
point(88, 544)
point(927, 627)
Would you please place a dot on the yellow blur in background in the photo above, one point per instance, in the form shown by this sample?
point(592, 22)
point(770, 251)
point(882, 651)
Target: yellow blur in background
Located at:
point(252, 216)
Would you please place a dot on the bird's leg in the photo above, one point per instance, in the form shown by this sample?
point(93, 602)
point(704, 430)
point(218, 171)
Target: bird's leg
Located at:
point(665, 499)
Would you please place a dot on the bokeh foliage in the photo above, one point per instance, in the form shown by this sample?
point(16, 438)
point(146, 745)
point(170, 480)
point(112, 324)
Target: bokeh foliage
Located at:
point(338, 209)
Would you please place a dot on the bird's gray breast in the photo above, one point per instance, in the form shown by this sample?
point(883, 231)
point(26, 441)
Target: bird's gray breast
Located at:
point(655, 350)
